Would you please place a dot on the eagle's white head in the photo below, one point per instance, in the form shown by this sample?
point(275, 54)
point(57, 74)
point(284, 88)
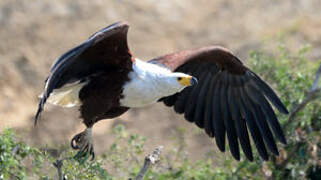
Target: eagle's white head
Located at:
point(173, 82)
point(150, 82)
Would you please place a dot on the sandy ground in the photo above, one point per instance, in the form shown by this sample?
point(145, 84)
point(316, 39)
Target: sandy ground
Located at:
point(34, 33)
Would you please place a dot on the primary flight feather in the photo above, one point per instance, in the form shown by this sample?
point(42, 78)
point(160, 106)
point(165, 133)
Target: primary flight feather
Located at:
point(209, 85)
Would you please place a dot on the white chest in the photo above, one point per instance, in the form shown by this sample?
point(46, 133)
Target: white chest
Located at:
point(138, 92)
point(145, 86)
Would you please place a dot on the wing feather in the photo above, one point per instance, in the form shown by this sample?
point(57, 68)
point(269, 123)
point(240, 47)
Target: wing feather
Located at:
point(268, 113)
point(170, 101)
point(199, 110)
point(190, 99)
point(229, 100)
point(105, 50)
point(209, 109)
point(219, 126)
point(181, 100)
point(260, 120)
point(268, 92)
point(240, 125)
point(228, 121)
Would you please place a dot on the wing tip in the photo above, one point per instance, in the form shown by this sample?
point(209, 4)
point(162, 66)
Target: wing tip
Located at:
point(284, 110)
point(269, 92)
point(117, 27)
point(121, 23)
point(37, 115)
point(236, 155)
point(283, 140)
point(265, 158)
point(40, 108)
point(250, 158)
point(220, 144)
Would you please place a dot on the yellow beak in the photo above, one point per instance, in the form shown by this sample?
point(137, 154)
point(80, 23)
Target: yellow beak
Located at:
point(188, 81)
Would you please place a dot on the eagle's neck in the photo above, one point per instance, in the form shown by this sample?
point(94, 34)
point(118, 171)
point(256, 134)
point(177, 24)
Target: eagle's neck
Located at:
point(148, 83)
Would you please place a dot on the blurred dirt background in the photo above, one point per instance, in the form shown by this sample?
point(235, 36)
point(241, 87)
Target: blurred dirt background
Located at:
point(34, 33)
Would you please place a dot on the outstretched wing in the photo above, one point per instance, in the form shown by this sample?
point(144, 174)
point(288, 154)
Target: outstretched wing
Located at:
point(229, 100)
point(107, 49)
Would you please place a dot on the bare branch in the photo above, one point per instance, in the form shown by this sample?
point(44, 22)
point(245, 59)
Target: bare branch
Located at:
point(290, 155)
point(312, 95)
point(58, 164)
point(15, 150)
point(149, 160)
point(317, 76)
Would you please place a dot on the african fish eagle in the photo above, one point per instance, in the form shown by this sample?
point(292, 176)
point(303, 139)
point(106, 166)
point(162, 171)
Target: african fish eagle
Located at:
point(209, 85)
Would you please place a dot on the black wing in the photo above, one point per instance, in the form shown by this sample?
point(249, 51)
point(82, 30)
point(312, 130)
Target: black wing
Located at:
point(228, 101)
point(104, 50)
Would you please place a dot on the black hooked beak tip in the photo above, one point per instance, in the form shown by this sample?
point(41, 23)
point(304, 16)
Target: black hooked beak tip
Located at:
point(194, 81)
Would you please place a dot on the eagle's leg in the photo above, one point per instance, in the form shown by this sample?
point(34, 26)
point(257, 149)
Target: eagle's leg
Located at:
point(84, 143)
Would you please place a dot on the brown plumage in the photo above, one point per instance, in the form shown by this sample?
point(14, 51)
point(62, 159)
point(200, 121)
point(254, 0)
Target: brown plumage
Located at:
point(229, 99)
point(104, 58)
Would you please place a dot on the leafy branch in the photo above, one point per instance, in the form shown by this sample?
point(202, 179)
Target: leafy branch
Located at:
point(312, 94)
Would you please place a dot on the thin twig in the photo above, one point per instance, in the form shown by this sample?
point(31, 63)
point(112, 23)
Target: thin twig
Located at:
point(15, 150)
point(290, 155)
point(149, 160)
point(58, 164)
point(317, 76)
point(311, 95)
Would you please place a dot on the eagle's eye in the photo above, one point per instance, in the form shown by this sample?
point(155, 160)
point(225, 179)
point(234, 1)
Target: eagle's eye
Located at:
point(179, 78)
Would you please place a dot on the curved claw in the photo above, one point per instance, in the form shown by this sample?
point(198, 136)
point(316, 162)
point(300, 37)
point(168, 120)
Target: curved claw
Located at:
point(75, 140)
point(83, 143)
point(85, 152)
point(92, 153)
